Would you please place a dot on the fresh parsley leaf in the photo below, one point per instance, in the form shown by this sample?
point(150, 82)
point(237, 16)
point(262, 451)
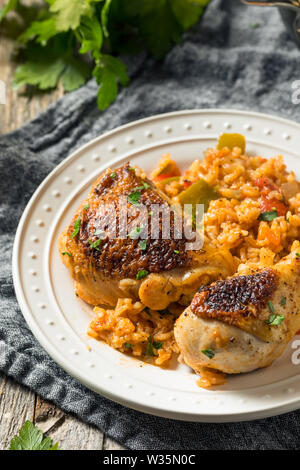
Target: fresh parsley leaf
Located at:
point(143, 244)
point(31, 438)
point(42, 31)
point(176, 252)
point(297, 255)
point(42, 74)
point(66, 253)
point(75, 75)
point(141, 274)
point(271, 306)
point(134, 197)
point(90, 36)
point(95, 244)
point(160, 29)
point(45, 70)
point(268, 216)
point(188, 12)
point(128, 345)
point(68, 13)
point(151, 345)
point(108, 88)
point(77, 225)
point(86, 207)
point(107, 72)
point(275, 319)
point(157, 344)
point(210, 353)
point(113, 174)
point(104, 17)
point(283, 301)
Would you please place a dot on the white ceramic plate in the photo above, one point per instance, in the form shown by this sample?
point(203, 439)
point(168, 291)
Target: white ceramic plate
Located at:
point(59, 320)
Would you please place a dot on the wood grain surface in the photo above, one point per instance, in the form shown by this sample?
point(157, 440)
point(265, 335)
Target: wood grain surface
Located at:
point(17, 403)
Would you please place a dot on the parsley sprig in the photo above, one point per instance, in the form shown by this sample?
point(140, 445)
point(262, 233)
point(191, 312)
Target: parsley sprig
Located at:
point(268, 216)
point(95, 244)
point(274, 319)
point(76, 227)
point(210, 353)
point(151, 346)
point(102, 29)
point(31, 438)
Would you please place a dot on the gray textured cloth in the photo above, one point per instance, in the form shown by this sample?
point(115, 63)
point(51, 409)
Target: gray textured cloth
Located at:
point(223, 62)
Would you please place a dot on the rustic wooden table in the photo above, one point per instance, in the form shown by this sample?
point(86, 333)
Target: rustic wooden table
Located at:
point(17, 403)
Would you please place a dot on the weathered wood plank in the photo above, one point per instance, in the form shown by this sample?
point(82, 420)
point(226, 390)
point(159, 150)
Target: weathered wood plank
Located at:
point(68, 431)
point(110, 444)
point(16, 406)
point(72, 434)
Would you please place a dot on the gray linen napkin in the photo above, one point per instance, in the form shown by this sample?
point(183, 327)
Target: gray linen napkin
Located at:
point(224, 62)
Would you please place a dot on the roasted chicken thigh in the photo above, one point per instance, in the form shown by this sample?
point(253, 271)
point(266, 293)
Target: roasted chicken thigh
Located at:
point(242, 323)
point(156, 271)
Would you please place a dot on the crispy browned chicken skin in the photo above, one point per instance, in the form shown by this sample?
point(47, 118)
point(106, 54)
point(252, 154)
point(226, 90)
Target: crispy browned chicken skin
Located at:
point(107, 270)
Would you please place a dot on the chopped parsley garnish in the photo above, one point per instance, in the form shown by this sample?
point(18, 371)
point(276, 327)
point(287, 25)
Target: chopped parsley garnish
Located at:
point(283, 301)
point(134, 198)
point(95, 244)
point(268, 216)
point(271, 306)
point(275, 319)
point(135, 233)
point(176, 252)
point(151, 345)
point(144, 186)
point(128, 345)
point(151, 213)
point(297, 255)
point(143, 244)
point(113, 174)
point(141, 274)
point(210, 353)
point(77, 224)
point(86, 207)
point(66, 253)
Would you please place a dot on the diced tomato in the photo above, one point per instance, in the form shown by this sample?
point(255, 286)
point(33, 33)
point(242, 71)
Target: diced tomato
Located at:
point(269, 204)
point(265, 183)
point(163, 176)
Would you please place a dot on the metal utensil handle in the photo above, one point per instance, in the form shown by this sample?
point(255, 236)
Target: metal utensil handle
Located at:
point(292, 6)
